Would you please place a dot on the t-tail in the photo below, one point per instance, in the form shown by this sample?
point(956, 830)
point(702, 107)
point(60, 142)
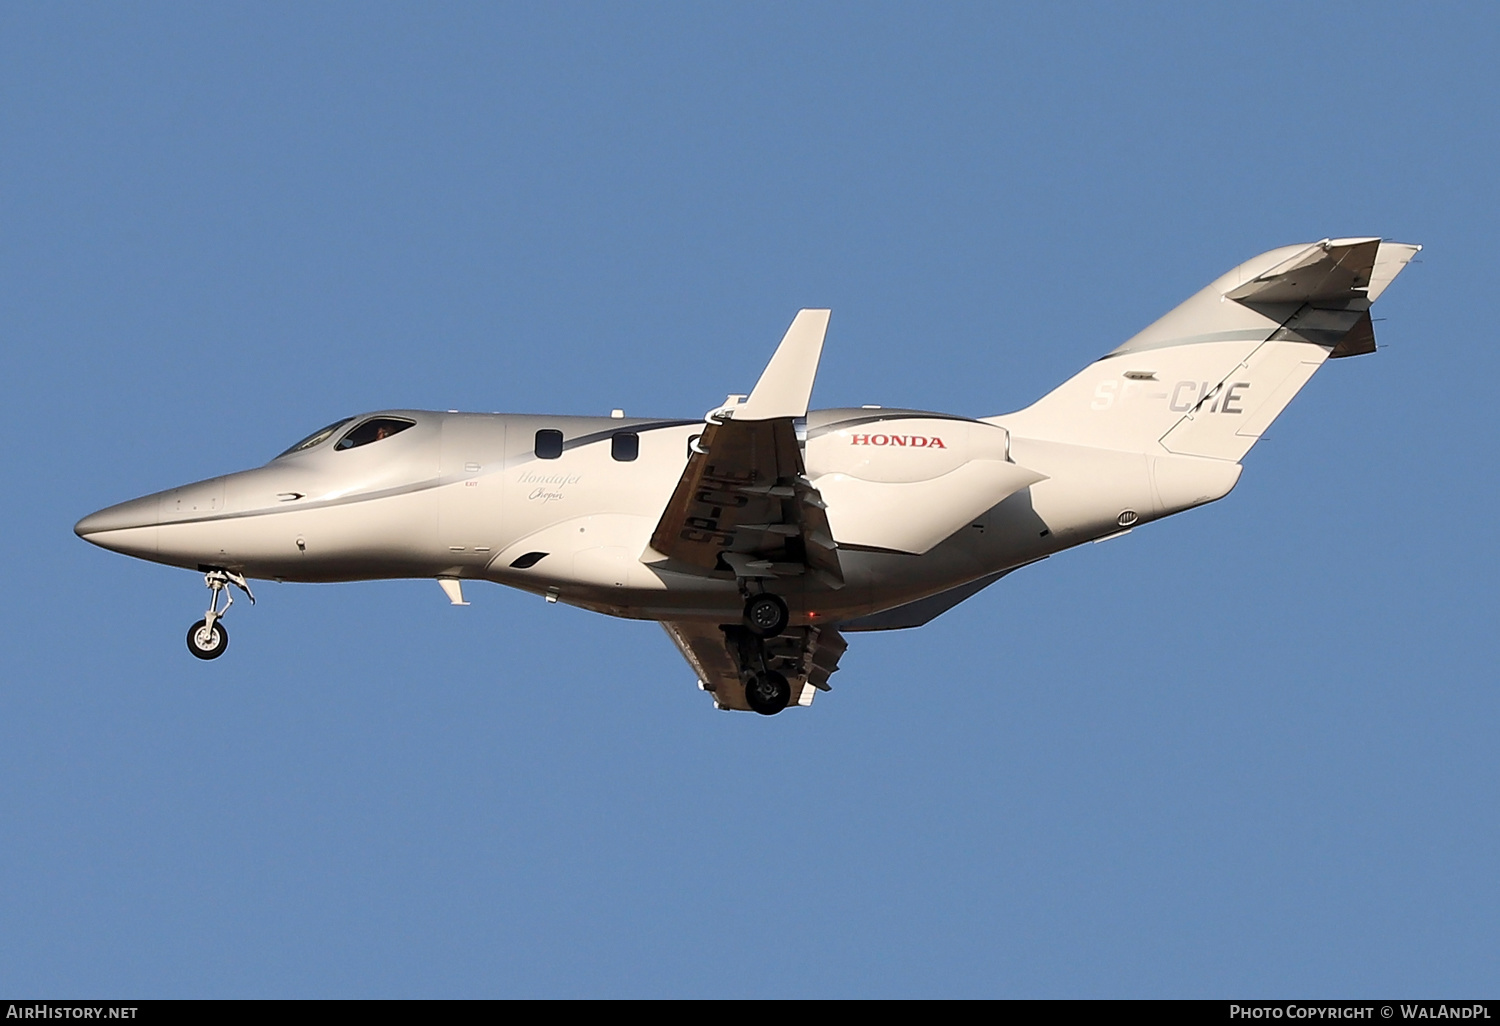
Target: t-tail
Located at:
point(1207, 379)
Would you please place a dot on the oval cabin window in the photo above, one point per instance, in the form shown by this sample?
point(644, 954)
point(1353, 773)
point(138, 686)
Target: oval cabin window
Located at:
point(549, 444)
point(625, 446)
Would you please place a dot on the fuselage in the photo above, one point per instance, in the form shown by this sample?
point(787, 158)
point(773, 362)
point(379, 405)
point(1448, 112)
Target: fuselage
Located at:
point(764, 533)
point(566, 507)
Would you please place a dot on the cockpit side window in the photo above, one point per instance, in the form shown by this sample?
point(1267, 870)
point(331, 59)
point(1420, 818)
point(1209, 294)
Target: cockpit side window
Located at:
point(373, 430)
point(316, 438)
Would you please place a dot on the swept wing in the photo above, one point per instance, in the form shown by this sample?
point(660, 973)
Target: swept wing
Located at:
point(744, 507)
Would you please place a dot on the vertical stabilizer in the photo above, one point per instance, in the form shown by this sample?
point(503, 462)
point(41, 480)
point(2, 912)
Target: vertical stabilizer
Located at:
point(1210, 376)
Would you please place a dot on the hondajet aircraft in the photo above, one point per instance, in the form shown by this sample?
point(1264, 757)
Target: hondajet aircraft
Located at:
point(762, 534)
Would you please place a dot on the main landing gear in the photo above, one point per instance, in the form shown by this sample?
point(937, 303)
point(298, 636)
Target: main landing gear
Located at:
point(766, 617)
point(208, 638)
point(766, 614)
point(767, 692)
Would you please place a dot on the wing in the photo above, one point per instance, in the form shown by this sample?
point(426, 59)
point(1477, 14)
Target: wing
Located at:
point(743, 505)
point(723, 657)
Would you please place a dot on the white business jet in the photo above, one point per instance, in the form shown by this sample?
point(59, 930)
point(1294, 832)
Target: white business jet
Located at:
point(764, 533)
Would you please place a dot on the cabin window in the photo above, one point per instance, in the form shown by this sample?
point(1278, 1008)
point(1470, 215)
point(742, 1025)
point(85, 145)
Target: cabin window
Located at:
point(549, 444)
point(373, 430)
point(316, 438)
point(625, 446)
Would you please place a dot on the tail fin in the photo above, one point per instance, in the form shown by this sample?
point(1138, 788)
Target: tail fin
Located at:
point(1209, 377)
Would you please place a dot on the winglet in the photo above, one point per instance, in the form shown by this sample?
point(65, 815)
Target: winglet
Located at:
point(785, 387)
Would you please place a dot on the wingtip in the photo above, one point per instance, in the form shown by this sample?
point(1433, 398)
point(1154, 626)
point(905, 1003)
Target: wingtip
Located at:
point(785, 386)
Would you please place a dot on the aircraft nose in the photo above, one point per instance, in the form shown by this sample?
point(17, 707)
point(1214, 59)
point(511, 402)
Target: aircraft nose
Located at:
point(142, 512)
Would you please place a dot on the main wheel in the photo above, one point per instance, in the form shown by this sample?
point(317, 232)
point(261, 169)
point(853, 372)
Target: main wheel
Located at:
point(767, 615)
point(768, 693)
point(207, 642)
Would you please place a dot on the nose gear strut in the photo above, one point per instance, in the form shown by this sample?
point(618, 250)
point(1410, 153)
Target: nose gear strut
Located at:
point(208, 638)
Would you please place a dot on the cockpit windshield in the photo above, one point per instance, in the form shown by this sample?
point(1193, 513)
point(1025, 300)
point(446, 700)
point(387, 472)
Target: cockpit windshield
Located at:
point(374, 430)
point(316, 438)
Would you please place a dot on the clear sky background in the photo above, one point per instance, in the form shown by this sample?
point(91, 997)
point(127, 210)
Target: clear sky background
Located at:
point(1249, 750)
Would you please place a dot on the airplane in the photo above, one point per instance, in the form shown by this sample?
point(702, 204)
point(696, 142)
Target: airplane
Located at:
point(764, 533)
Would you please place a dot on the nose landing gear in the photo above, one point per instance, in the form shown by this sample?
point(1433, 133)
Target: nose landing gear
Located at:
point(208, 638)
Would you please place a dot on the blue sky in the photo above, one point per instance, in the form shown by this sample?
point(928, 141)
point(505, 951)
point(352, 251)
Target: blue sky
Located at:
point(1247, 750)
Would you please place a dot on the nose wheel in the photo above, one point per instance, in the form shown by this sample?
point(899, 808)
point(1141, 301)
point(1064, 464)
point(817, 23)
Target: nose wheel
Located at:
point(208, 638)
point(207, 642)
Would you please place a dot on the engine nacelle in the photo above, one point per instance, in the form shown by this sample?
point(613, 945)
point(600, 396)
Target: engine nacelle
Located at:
point(904, 483)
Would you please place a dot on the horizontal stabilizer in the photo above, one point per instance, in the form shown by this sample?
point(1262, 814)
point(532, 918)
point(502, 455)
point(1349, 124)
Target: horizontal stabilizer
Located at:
point(1331, 269)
